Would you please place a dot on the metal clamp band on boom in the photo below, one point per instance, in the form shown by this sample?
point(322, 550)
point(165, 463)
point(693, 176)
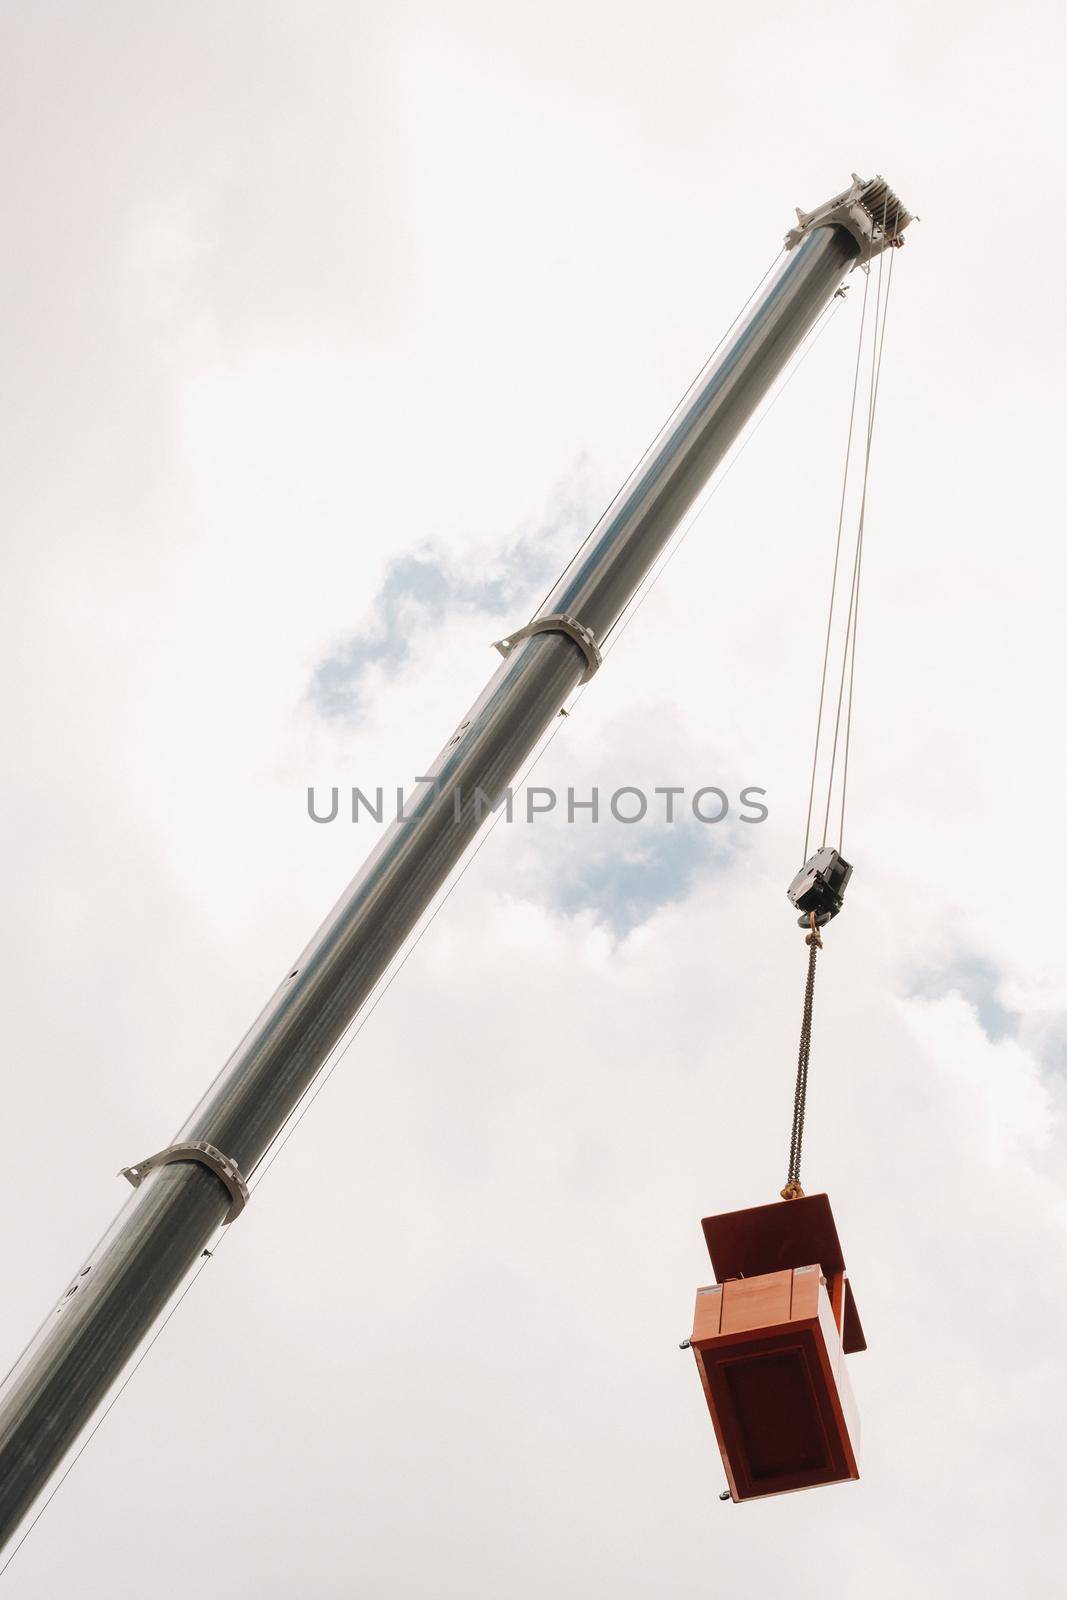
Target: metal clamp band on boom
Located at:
point(557, 622)
point(207, 1156)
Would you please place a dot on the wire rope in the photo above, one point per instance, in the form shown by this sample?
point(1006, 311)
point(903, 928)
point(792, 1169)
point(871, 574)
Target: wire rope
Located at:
point(877, 343)
point(837, 558)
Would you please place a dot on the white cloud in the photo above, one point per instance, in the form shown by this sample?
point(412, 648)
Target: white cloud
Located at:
point(295, 297)
point(999, 1084)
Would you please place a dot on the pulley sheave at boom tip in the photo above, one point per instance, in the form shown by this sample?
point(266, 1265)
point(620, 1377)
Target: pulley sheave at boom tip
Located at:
point(188, 1191)
point(868, 209)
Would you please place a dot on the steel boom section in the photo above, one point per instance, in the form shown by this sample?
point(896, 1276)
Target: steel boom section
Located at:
point(123, 1286)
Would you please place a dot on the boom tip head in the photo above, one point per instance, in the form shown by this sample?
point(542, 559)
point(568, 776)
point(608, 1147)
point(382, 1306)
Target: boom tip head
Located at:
point(868, 209)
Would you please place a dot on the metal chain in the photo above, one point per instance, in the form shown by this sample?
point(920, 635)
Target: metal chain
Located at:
point(792, 1190)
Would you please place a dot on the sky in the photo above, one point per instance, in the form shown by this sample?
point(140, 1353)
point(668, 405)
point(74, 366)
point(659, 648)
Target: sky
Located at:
point(330, 330)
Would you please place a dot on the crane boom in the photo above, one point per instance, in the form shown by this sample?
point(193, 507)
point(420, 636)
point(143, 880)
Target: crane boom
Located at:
point(186, 1192)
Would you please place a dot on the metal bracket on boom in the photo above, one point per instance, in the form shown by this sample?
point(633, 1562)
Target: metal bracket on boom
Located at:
point(558, 622)
point(207, 1156)
point(869, 211)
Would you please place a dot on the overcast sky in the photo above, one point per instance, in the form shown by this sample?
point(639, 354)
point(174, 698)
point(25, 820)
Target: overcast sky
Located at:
point(329, 329)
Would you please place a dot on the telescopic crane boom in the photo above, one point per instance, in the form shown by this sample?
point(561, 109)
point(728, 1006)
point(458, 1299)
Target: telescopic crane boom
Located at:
point(184, 1193)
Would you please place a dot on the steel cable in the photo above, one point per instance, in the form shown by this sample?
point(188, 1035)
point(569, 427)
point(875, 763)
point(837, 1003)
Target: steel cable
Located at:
point(837, 558)
point(859, 557)
point(813, 940)
point(847, 654)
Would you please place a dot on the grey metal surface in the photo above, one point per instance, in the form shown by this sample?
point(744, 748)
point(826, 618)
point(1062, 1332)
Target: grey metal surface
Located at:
point(84, 1344)
point(98, 1324)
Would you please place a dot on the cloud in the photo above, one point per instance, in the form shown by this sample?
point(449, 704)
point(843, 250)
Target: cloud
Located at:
point(402, 287)
point(424, 587)
point(623, 874)
point(1000, 1087)
point(977, 981)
